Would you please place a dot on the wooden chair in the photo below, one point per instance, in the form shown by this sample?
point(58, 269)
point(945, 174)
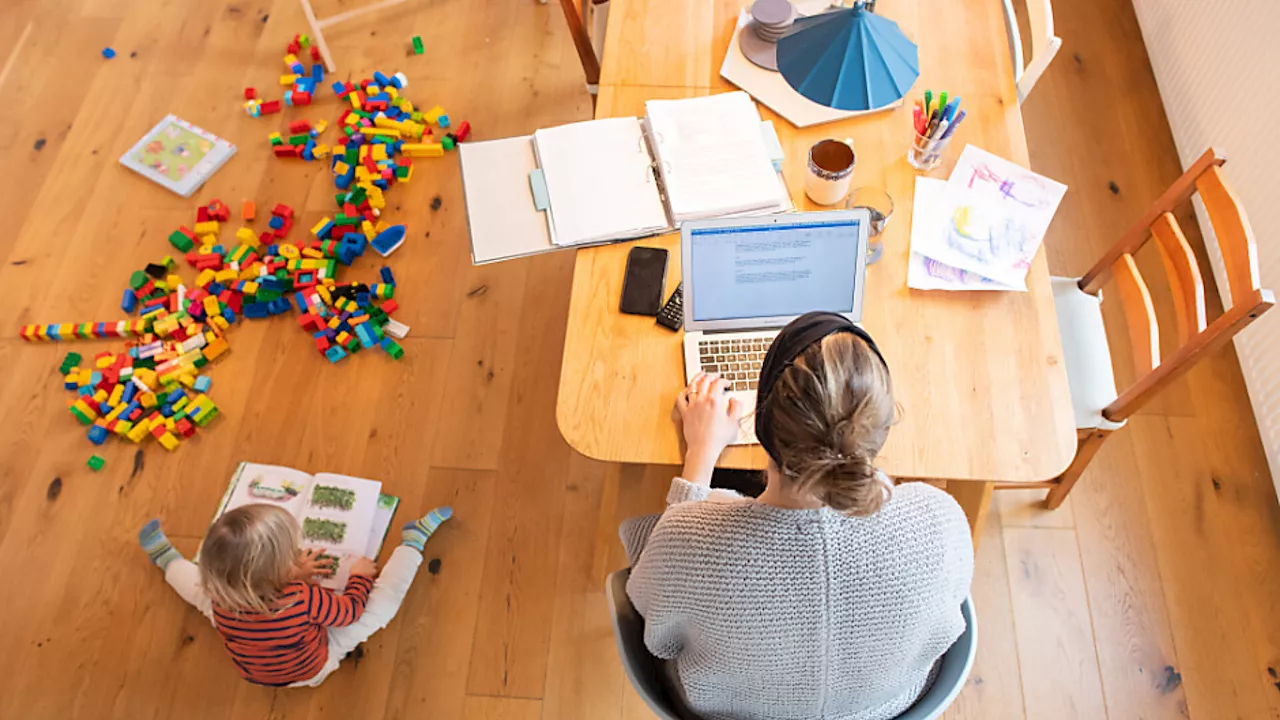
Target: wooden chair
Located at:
point(573, 16)
point(1099, 409)
point(1044, 44)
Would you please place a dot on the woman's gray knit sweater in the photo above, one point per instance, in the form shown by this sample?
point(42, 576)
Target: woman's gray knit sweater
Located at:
point(776, 614)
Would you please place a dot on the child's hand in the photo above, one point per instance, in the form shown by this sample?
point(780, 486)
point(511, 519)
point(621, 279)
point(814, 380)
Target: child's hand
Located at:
point(311, 563)
point(364, 566)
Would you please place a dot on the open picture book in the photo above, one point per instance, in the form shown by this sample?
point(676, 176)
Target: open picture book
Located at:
point(348, 517)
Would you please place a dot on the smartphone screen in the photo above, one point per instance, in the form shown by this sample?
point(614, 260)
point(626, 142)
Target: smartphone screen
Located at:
point(642, 286)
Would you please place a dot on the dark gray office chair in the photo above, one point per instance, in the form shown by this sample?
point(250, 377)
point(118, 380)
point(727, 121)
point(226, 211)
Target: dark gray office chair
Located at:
point(642, 668)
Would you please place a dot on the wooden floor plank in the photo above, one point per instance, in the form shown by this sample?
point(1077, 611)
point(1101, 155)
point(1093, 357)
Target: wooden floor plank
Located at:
point(1060, 676)
point(1211, 627)
point(1140, 671)
point(994, 688)
point(480, 707)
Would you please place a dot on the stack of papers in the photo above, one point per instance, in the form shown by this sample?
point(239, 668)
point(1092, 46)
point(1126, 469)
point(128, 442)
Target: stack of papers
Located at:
point(712, 158)
point(981, 228)
point(600, 181)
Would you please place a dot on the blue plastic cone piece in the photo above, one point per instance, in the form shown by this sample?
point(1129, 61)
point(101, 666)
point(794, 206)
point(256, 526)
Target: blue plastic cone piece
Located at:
point(849, 59)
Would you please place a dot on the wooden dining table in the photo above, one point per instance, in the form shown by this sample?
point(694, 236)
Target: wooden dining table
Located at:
point(979, 376)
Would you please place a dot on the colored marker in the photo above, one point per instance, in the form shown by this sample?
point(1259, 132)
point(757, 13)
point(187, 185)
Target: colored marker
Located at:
point(928, 101)
point(942, 99)
point(954, 124)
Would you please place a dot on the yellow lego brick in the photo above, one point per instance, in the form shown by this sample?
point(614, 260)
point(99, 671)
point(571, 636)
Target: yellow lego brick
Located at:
point(208, 241)
point(386, 132)
point(115, 411)
point(169, 441)
point(290, 59)
point(100, 396)
point(422, 149)
point(182, 403)
point(321, 125)
point(138, 432)
point(173, 281)
point(289, 251)
point(321, 151)
point(352, 119)
point(123, 427)
point(432, 116)
point(247, 236)
point(187, 380)
point(147, 400)
point(340, 168)
point(117, 392)
point(274, 136)
point(288, 79)
point(392, 93)
point(206, 228)
point(225, 275)
point(103, 362)
point(221, 322)
point(366, 227)
point(211, 306)
point(315, 229)
point(146, 376)
point(312, 253)
point(355, 101)
point(379, 152)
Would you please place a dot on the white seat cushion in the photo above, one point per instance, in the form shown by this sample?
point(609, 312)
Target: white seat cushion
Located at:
point(1085, 350)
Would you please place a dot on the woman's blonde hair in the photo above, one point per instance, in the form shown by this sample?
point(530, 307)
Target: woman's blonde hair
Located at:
point(830, 413)
point(247, 557)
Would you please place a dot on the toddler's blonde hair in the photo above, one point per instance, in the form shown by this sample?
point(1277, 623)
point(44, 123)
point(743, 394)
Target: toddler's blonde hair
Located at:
point(247, 557)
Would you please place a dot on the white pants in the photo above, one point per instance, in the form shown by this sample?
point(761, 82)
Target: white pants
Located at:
point(384, 601)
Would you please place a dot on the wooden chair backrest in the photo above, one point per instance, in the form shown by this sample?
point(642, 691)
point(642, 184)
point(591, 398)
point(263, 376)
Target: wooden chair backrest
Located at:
point(1196, 337)
point(1043, 47)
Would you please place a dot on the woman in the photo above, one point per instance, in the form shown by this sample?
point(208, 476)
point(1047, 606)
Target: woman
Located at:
point(832, 594)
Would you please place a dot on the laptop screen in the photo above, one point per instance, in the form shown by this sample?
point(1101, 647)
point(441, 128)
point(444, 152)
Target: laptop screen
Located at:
point(772, 270)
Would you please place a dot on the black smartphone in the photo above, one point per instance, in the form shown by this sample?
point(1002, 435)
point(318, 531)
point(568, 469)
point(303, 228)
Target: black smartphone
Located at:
point(642, 286)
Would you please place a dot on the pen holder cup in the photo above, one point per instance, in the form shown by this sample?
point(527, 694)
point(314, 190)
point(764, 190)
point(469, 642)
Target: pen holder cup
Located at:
point(925, 154)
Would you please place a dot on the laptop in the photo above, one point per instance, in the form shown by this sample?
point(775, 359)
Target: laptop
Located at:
point(745, 278)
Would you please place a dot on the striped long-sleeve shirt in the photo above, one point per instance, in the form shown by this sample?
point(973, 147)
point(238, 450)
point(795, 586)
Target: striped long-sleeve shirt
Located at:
point(290, 643)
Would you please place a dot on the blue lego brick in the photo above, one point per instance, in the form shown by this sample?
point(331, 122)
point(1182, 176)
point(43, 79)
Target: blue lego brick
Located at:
point(97, 434)
point(335, 353)
point(203, 383)
point(128, 301)
point(381, 79)
point(444, 121)
point(276, 222)
point(387, 276)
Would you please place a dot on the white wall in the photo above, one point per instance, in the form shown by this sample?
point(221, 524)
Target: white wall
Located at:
point(1217, 63)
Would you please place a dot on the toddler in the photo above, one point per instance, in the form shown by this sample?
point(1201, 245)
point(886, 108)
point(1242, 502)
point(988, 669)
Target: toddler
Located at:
point(254, 584)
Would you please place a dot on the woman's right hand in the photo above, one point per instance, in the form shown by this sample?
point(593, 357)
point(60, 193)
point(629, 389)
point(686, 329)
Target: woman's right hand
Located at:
point(708, 418)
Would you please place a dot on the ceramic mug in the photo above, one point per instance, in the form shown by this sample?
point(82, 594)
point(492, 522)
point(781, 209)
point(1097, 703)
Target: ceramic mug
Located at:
point(830, 171)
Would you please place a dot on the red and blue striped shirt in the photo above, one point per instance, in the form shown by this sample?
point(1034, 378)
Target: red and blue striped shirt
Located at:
point(290, 643)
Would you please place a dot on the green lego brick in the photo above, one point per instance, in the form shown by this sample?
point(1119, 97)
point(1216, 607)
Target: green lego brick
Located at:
point(180, 241)
point(276, 140)
point(418, 48)
point(139, 278)
point(96, 463)
point(84, 419)
point(447, 142)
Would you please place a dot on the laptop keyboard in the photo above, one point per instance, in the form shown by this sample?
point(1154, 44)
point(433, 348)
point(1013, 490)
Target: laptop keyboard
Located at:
point(738, 361)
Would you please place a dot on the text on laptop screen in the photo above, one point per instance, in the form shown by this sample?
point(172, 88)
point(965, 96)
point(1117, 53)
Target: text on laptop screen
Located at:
point(772, 270)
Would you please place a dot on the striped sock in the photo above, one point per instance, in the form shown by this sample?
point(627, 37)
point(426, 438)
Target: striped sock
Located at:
point(416, 533)
point(156, 545)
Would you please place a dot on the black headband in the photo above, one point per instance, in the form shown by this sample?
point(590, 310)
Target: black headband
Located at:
point(794, 339)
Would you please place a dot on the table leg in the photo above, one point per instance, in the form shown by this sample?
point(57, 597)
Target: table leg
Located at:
point(974, 498)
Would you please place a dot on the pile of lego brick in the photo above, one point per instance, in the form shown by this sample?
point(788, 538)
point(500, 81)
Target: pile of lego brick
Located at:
point(301, 82)
point(155, 387)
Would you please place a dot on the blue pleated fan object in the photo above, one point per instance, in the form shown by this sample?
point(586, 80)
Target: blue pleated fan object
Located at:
point(849, 59)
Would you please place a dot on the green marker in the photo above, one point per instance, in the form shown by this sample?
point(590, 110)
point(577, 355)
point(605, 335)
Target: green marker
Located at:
point(928, 103)
point(942, 99)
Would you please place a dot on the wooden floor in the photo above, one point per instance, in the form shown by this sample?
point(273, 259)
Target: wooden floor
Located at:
point(1153, 593)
